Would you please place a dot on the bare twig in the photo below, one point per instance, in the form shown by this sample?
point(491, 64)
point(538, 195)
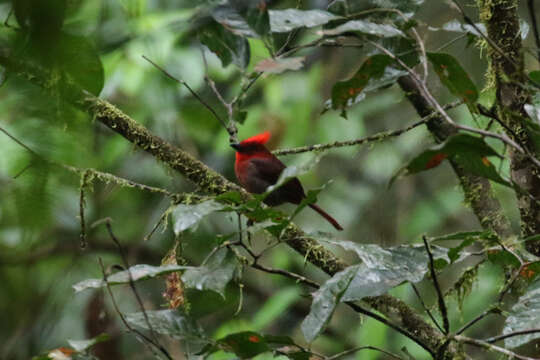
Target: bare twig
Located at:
point(440, 296)
point(84, 179)
point(532, 13)
point(426, 308)
point(494, 310)
point(351, 351)
point(368, 139)
point(125, 262)
point(145, 338)
point(490, 347)
point(495, 339)
point(182, 82)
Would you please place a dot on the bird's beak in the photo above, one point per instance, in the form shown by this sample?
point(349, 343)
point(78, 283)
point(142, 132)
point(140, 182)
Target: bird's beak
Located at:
point(235, 146)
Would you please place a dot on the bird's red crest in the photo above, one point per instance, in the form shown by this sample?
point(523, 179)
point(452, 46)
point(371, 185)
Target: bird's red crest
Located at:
point(259, 138)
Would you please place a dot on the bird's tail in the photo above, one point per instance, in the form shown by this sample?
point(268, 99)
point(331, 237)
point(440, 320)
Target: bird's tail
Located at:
point(330, 219)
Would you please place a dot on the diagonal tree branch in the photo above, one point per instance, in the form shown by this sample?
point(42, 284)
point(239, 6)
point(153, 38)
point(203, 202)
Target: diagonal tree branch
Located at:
point(477, 189)
point(211, 182)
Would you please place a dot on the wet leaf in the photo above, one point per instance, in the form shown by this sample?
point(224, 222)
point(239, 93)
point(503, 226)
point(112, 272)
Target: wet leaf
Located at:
point(83, 345)
point(525, 314)
point(138, 272)
point(187, 216)
point(215, 274)
point(290, 19)
point(365, 27)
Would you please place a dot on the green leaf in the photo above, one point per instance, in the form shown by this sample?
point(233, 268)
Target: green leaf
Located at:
point(279, 65)
point(255, 13)
point(535, 76)
point(138, 272)
point(349, 7)
point(454, 77)
point(469, 151)
point(503, 258)
point(226, 45)
point(83, 345)
point(245, 344)
point(523, 316)
point(381, 269)
point(457, 26)
point(173, 323)
point(377, 71)
point(187, 216)
point(290, 19)
point(215, 274)
point(325, 301)
point(365, 27)
point(232, 21)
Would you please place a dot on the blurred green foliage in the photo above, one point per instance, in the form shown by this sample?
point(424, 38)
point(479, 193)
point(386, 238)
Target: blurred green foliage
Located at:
point(99, 45)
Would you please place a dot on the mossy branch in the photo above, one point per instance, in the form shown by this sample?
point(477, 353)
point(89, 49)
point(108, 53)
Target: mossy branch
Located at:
point(502, 22)
point(211, 182)
point(477, 190)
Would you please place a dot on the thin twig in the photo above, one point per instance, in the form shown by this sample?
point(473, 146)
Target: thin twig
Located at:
point(440, 296)
point(491, 347)
point(426, 308)
point(182, 82)
point(494, 310)
point(532, 13)
point(368, 139)
point(145, 338)
point(351, 351)
point(495, 339)
point(125, 262)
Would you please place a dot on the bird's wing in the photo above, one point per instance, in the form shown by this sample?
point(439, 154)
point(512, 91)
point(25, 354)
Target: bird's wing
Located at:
point(267, 170)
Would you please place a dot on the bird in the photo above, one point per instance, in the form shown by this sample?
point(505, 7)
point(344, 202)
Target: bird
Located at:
point(256, 169)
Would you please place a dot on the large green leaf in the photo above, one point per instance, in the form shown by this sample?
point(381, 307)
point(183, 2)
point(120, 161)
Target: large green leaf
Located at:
point(365, 27)
point(187, 216)
point(138, 272)
point(381, 269)
point(325, 301)
point(226, 45)
point(377, 71)
point(454, 77)
point(525, 314)
point(290, 19)
point(255, 13)
point(215, 274)
point(173, 323)
point(469, 151)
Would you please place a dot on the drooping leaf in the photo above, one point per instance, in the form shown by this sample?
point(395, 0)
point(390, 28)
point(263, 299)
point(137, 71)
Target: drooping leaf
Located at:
point(187, 216)
point(173, 323)
point(381, 269)
point(525, 314)
point(138, 272)
point(503, 258)
point(226, 45)
point(469, 151)
point(349, 7)
point(454, 77)
point(290, 19)
point(215, 274)
point(279, 65)
point(83, 345)
point(377, 71)
point(325, 301)
point(365, 27)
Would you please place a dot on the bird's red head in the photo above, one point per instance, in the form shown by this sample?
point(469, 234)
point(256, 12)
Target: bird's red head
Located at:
point(252, 147)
